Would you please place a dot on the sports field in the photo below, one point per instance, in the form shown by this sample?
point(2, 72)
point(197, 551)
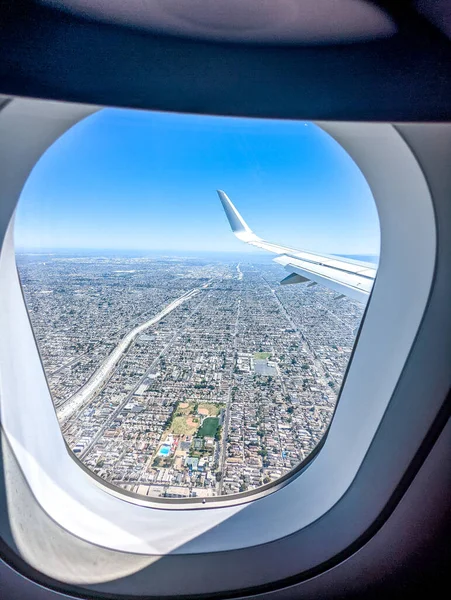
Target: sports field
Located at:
point(209, 409)
point(188, 415)
point(184, 425)
point(261, 355)
point(209, 427)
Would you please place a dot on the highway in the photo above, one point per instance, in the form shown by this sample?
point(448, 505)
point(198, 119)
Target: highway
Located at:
point(104, 372)
point(149, 370)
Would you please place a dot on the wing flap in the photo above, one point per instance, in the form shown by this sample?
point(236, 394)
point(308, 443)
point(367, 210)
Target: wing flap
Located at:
point(351, 278)
point(352, 285)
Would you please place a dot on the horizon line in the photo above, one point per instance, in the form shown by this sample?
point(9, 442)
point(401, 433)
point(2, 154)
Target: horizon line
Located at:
point(47, 250)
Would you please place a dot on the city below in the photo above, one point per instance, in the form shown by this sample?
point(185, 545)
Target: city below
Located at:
point(184, 376)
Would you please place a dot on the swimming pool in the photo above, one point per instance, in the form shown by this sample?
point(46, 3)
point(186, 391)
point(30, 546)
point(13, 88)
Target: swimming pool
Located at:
point(164, 450)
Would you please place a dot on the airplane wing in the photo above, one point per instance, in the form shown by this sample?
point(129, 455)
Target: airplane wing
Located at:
point(348, 277)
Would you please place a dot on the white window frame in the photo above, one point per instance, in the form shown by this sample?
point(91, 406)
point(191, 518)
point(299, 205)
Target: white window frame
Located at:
point(87, 509)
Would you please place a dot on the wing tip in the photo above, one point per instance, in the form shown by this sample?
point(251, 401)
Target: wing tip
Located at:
point(236, 221)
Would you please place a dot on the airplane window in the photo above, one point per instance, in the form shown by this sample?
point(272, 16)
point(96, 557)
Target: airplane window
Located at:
point(178, 364)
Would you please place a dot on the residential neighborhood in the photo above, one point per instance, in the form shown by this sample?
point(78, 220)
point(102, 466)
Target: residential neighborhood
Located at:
point(224, 381)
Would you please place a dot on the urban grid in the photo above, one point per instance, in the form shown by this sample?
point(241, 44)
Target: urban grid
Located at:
point(177, 376)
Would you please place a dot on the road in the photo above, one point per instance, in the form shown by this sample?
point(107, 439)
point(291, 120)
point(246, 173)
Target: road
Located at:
point(321, 368)
point(149, 370)
point(104, 372)
point(113, 331)
point(226, 424)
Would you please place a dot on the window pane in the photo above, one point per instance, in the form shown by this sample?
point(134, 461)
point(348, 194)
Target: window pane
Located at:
point(178, 364)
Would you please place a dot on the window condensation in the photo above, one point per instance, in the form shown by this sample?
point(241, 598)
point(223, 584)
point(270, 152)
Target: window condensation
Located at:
point(218, 379)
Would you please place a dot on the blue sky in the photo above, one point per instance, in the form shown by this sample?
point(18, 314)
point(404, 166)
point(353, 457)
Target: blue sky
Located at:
point(134, 180)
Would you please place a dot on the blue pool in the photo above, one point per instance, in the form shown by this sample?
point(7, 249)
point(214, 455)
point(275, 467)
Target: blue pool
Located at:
point(164, 450)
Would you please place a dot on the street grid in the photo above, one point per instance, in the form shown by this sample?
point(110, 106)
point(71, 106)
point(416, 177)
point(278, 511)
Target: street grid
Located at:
point(268, 359)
